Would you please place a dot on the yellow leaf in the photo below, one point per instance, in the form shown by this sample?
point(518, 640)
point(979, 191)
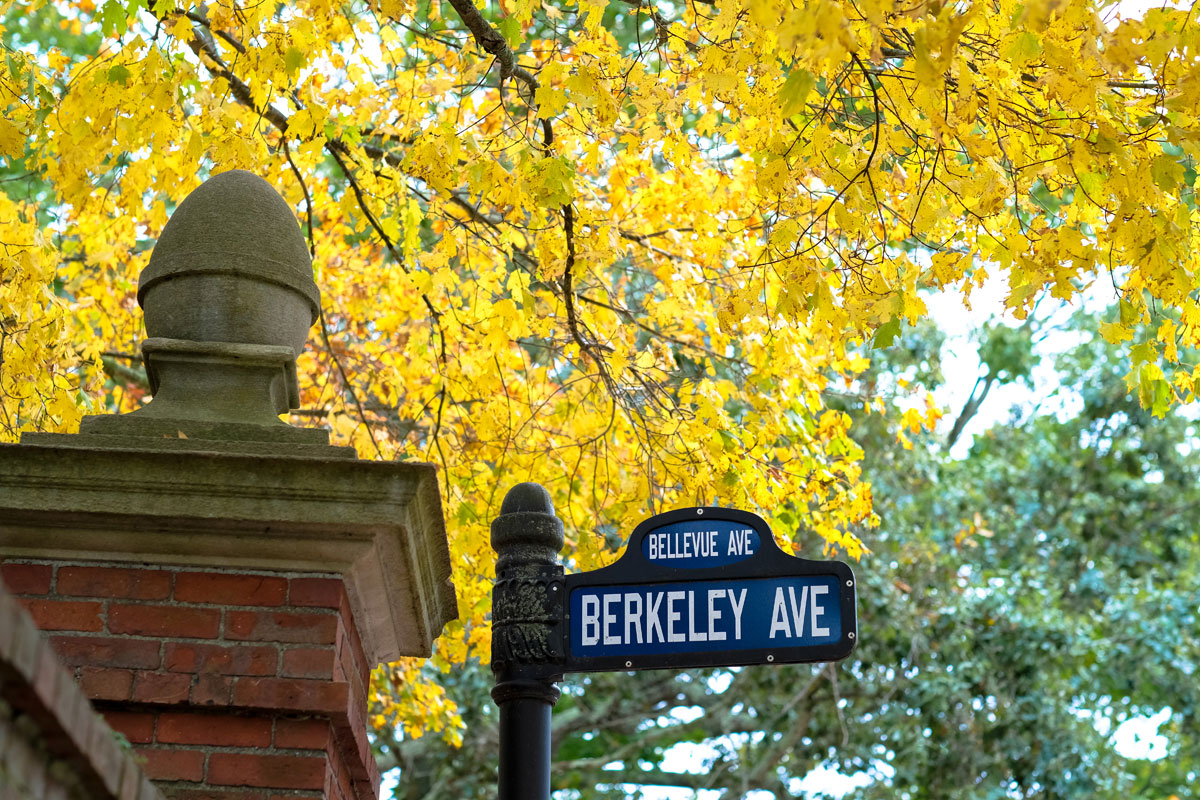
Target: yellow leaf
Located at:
point(550, 102)
point(12, 143)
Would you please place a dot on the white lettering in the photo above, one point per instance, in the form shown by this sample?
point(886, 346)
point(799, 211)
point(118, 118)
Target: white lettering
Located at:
point(693, 634)
point(818, 611)
point(610, 619)
point(591, 620)
point(714, 635)
point(653, 621)
point(779, 618)
point(747, 542)
point(798, 615)
point(690, 544)
point(738, 604)
point(633, 617)
point(673, 616)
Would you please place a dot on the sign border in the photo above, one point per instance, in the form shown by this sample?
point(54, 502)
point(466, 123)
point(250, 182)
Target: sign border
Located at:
point(632, 568)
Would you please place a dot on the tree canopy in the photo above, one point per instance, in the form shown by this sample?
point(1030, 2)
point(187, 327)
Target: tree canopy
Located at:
point(1017, 605)
point(643, 254)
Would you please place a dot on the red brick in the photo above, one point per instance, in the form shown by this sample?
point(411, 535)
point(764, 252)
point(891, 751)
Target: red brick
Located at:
point(302, 734)
point(137, 728)
point(172, 765)
point(269, 771)
point(26, 578)
point(162, 687)
point(104, 754)
point(345, 663)
point(221, 730)
point(64, 615)
point(131, 782)
point(53, 686)
point(291, 695)
point(352, 664)
point(193, 623)
point(307, 662)
point(100, 683)
point(94, 651)
point(281, 626)
point(130, 584)
point(215, 659)
point(344, 782)
point(349, 632)
point(230, 589)
point(319, 592)
point(212, 690)
point(219, 794)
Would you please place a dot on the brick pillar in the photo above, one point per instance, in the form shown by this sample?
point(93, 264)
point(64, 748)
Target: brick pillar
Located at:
point(231, 684)
point(221, 582)
point(224, 610)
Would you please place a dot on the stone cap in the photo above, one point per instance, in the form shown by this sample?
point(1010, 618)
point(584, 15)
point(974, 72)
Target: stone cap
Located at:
point(377, 524)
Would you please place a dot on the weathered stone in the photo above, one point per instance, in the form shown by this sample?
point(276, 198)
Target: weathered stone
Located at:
point(231, 266)
point(228, 298)
point(377, 524)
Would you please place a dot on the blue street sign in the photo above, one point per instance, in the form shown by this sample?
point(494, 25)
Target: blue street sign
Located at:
point(708, 587)
point(750, 614)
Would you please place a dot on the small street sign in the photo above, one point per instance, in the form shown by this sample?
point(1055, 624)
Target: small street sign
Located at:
point(703, 587)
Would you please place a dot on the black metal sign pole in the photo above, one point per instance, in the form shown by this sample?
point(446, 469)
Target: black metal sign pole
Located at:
point(527, 637)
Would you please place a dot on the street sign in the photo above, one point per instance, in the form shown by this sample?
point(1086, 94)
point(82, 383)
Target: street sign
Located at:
point(698, 587)
point(702, 587)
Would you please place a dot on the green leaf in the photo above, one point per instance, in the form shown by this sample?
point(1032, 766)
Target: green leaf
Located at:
point(510, 29)
point(118, 73)
point(1129, 313)
point(1167, 173)
point(113, 20)
point(15, 68)
point(293, 60)
point(1023, 48)
point(1154, 392)
point(555, 181)
point(794, 92)
point(885, 334)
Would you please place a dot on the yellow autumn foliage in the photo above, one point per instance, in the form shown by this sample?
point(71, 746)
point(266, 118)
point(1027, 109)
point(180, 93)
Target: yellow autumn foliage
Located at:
point(625, 250)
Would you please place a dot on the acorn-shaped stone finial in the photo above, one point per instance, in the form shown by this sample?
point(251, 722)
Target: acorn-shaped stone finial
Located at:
point(228, 298)
point(231, 266)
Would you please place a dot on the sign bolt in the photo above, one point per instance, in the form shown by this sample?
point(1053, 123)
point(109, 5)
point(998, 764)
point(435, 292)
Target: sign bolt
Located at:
point(770, 659)
point(850, 634)
point(849, 583)
point(629, 663)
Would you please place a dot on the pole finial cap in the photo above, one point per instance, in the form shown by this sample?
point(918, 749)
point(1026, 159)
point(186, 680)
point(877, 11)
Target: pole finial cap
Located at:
point(527, 497)
point(527, 531)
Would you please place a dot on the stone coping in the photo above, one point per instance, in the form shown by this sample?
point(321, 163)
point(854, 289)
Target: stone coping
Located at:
point(378, 524)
